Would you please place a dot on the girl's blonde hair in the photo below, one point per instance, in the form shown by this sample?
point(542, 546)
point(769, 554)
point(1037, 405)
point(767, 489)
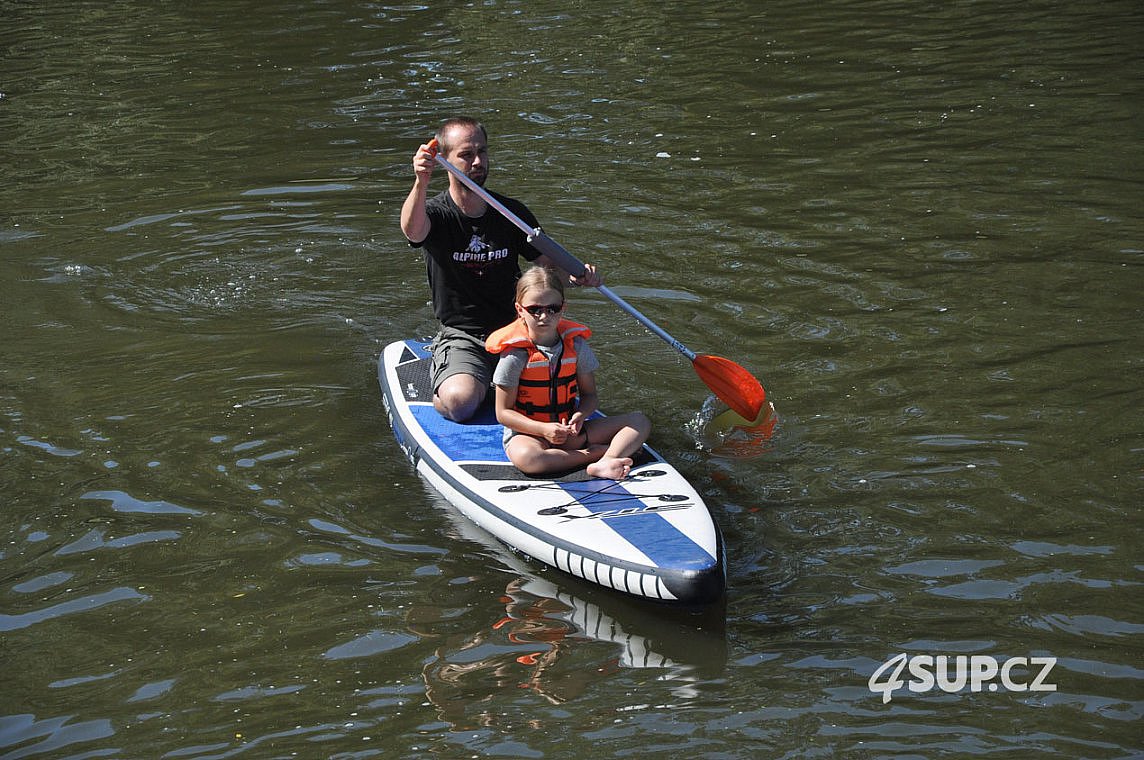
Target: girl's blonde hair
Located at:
point(540, 278)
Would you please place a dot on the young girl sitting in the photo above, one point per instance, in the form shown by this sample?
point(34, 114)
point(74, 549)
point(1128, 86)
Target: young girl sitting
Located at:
point(546, 390)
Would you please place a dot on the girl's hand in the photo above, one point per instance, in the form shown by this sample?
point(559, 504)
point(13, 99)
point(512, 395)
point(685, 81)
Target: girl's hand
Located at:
point(556, 433)
point(576, 424)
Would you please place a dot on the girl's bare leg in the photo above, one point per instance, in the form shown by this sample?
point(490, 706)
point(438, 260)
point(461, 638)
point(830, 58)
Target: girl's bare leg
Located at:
point(623, 434)
point(533, 456)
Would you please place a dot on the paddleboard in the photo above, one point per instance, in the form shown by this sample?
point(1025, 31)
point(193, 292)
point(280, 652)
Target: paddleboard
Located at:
point(649, 535)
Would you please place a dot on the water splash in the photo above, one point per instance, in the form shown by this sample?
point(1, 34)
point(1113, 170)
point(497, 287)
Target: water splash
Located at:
point(721, 431)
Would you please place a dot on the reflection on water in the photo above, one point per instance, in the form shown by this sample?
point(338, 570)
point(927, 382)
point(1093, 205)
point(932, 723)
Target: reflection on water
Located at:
point(547, 638)
point(521, 650)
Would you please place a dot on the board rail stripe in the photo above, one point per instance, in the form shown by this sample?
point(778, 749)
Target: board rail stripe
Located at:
point(633, 582)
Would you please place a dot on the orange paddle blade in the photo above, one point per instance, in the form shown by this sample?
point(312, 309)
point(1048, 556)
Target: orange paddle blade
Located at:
point(733, 385)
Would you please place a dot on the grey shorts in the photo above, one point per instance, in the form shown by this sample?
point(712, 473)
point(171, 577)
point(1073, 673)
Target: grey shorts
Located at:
point(458, 353)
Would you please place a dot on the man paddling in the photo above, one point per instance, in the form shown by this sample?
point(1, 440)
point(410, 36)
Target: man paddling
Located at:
point(472, 258)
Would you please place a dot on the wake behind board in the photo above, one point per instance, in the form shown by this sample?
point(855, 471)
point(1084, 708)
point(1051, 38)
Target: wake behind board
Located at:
point(649, 535)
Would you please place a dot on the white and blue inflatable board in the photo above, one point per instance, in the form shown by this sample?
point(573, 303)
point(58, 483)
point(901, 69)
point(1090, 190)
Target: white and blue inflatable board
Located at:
point(649, 535)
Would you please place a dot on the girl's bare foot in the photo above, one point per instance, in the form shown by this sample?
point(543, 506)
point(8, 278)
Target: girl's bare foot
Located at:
point(615, 468)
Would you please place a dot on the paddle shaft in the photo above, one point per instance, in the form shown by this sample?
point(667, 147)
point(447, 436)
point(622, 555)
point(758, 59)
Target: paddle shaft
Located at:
point(560, 256)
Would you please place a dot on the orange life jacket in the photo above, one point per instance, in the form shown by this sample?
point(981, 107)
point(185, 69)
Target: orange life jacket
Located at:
point(543, 395)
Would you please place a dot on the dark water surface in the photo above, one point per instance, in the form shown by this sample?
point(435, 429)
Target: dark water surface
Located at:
point(918, 223)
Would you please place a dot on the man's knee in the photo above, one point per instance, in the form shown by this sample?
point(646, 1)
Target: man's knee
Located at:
point(459, 397)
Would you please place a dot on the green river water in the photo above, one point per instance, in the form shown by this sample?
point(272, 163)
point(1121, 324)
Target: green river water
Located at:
point(918, 223)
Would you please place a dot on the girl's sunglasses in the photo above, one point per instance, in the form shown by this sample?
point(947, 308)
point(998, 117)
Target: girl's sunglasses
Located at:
point(540, 310)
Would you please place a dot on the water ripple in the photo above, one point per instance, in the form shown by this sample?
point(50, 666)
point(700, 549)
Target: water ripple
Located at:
point(369, 645)
point(94, 540)
point(36, 736)
point(75, 606)
point(377, 543)
point(123, 502)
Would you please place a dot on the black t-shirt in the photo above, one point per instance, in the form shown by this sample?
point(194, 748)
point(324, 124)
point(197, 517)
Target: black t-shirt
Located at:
point(473, 264)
